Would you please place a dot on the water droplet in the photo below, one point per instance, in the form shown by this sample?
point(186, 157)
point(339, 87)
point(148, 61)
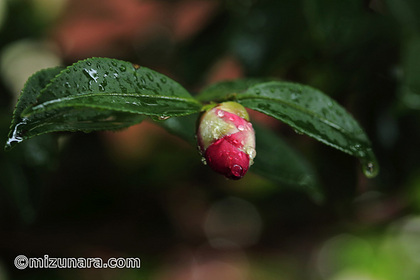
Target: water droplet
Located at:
point(369, 169)
point(241, 127)
point(92, 74)
point(204, 161)
point(123, 68)
point(251, 152)
point(294, 96)
point(220, 113)
point(370, 165)
point(88, 63)
point(67, 85)
point(257, 91)
point(162, 118)
point(298, 132)
point(68, 71)
point(114, 63)
point(150, 77)
point(16, 136)
point(163, 80)
point(237, 170)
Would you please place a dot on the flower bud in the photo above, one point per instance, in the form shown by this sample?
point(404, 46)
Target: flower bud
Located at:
point(227, 140)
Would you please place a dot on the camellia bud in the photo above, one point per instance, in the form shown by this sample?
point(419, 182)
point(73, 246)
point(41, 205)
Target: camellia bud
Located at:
point(227, 140)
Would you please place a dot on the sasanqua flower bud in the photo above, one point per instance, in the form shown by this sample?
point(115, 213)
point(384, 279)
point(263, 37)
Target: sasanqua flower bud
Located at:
point(227, 140)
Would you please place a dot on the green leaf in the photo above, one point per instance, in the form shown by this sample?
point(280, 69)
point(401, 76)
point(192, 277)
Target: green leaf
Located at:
point(183, 127)
point(313, 113)
point(277, 161)
point(223, 91)
point(31, 90)
point(101, 94)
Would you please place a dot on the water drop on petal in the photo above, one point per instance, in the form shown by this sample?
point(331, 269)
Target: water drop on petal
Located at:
point(237, 170)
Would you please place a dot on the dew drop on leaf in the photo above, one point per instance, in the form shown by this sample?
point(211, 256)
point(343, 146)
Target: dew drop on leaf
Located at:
point(150, 77)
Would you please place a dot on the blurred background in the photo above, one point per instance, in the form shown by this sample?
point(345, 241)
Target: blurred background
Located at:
point(143, 192)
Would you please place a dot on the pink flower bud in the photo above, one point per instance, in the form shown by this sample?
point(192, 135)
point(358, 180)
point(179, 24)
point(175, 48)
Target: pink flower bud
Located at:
point(227, 140)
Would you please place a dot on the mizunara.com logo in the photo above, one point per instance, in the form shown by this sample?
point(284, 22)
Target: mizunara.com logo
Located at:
point(23, 262)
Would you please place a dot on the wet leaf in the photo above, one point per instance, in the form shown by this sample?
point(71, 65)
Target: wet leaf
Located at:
point(313, 113)
point(225, 90)
point(98, 94)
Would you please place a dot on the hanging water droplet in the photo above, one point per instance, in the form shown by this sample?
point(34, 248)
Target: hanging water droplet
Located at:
point(16, 136)
point(237, 170)
point(370, 166)
point(369, 169)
